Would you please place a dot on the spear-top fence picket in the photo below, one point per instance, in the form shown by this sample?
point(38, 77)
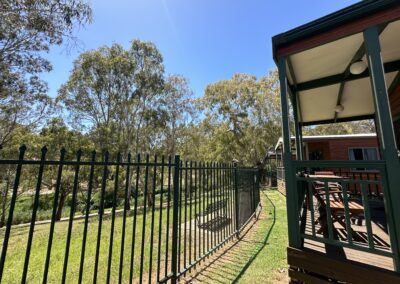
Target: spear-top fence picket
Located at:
point(140, 221)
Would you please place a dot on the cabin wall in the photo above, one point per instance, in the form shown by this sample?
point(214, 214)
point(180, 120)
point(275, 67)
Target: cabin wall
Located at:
point(394, 99)
point(338, 149)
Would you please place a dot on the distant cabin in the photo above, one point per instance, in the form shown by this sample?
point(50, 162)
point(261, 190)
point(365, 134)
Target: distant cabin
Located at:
point(337, 147)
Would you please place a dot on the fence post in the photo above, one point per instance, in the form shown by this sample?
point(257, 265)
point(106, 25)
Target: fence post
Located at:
point(175, 252)
point(236, 199)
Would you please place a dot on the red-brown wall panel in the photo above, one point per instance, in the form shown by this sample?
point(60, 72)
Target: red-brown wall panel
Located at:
point(338, 149)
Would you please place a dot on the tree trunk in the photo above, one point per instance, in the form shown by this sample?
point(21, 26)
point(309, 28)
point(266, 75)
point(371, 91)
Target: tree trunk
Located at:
point(4, 201)
point(60, 206)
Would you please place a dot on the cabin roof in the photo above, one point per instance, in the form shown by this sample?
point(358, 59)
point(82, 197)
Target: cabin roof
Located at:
point(319, 56)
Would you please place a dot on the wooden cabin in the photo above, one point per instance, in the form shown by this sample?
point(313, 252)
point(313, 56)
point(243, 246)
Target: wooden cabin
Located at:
point(336, 147)
point(342, 67)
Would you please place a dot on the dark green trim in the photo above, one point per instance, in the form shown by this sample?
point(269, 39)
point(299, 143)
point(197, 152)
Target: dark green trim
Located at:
point(338, 18)
point(339, 78)
point(344, 119)
point(386, 138)
point(291, 193)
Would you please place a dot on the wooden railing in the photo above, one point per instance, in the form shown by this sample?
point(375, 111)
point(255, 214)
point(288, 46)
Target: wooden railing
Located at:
point(330, 212)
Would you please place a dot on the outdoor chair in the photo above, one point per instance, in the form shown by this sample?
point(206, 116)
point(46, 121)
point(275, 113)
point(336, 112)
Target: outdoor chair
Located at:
point(337, 205)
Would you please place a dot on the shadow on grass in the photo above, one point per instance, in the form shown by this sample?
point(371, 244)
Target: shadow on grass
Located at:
point(263, 243)
point(230, 265)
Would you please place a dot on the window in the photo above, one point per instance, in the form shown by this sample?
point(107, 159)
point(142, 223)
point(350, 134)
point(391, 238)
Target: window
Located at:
point(363, 154)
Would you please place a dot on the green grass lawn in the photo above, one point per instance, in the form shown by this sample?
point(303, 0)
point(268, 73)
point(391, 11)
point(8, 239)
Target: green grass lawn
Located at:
point(268, 263)
point(259, 256)
point(17, 246)
point(19, 235)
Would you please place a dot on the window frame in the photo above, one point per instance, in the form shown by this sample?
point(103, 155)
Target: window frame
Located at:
point(363, 148)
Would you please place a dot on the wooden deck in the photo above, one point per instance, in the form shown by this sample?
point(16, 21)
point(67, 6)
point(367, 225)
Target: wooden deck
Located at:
point(326, 261)
point(380, 234)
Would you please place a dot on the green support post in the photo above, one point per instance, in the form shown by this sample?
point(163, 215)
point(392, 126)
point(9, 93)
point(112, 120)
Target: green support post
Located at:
point(386, 138)
point(291, 190)
point(297, 129)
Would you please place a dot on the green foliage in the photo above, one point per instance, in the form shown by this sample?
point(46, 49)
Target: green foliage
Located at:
point(115, 93)
point(27, 30)
point(355, 127)
point(241, 119)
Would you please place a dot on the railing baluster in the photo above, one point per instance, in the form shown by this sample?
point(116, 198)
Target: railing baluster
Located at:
point(185, 216)
point(53, 216)
point(135, 208)
point(195, 210)
point(226, 199)
point(328, 211)
point(236, 200)
point(85, 228)
point(34, 211)
point(209, 201)
point(180, 215)
point(219, 199)
point(71, 215)
point(22, 150)
point(101, 212)
point(168, 213)
point(346, 213)
point(160, 219)
point(367, 214)
point(111, 243)
point(126, 203)
point(175, 253)
point(153, 206)
point(231, 199)
point(204, 206)
point(311, 204)
point(213, 214)
point(146, 177)
point(190, 212)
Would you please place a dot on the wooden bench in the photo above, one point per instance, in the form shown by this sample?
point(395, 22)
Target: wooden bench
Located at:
point(211, 208)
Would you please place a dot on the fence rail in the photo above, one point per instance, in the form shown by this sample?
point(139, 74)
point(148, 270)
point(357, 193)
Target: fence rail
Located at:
point(142, 220)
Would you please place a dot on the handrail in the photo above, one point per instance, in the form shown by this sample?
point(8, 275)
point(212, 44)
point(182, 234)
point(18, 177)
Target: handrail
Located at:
point(338, 163)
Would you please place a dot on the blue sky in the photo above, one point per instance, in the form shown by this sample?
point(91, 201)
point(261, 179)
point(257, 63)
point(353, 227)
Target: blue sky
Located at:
point(204, 40)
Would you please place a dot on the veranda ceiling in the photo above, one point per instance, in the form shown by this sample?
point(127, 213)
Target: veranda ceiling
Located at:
point(317, 102)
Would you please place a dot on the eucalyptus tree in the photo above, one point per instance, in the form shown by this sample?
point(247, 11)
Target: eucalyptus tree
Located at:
point(113, 92)
point(177, 104)
point(242, 117)
point(27, 31)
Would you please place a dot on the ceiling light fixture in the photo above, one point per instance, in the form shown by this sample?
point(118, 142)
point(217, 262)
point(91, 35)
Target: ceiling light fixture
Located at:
point(358, 67)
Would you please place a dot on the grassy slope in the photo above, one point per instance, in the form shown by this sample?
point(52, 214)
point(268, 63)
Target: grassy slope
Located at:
point(17, 247)
point(258, 258)
point(269, 263)
point(260, 254)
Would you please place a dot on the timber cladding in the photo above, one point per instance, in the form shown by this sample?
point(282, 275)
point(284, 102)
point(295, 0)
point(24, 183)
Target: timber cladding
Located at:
point(338, 148)
point(394, 99)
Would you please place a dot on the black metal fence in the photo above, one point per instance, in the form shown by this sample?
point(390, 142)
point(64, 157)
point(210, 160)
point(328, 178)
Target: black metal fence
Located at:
point(129, 220)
